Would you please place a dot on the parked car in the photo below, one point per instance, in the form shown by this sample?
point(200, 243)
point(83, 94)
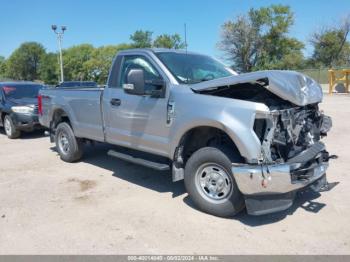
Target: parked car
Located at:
point(19, 107)
point(250, 140)
point(77, 84)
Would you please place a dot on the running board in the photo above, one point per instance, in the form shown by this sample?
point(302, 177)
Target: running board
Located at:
point(139, 161)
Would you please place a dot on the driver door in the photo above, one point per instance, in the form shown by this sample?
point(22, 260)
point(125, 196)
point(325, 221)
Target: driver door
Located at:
point(136, 121)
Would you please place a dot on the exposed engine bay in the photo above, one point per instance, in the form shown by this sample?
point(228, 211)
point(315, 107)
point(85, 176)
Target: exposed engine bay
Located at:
point(289, 130)
point(288, 126)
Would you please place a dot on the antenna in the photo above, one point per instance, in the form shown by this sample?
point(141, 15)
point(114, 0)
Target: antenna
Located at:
point(185, 27)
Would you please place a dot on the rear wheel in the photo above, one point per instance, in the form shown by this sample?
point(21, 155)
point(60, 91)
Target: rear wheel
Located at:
point(10, 129)
point(69, 147)
point(210, 183)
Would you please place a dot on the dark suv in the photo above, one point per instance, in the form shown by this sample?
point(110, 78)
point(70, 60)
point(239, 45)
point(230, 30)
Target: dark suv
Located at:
point(19, 107)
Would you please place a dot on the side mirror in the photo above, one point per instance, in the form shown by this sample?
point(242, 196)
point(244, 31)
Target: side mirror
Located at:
point(135, 82)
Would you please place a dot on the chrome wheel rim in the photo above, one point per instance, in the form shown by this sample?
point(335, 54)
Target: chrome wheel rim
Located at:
point(7, 126)
point(213, 182)
point(63, 143)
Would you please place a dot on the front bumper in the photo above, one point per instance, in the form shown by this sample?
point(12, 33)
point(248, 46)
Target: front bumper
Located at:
point(271, 188)
point(274, 179)
point(26, 122)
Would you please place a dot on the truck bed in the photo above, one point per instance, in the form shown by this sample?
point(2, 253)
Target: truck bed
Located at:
point(83, 106)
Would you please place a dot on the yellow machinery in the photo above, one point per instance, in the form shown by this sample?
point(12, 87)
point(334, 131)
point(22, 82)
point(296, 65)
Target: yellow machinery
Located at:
point(338, 76)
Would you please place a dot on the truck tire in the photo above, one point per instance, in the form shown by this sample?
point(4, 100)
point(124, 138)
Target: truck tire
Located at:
point(210, 183)
point(69, 147)
point(10, 129)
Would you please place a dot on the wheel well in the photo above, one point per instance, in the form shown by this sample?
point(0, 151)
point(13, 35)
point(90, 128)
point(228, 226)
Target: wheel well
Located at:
point(204, 136)
point(58, 117)
point(2, 117)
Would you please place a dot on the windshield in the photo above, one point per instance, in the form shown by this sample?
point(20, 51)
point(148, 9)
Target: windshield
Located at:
point(193, 68)
point(21, 91)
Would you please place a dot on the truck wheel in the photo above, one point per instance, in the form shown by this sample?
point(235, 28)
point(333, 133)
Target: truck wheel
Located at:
point(10, 129)
point(210, 183)
point(69, 147)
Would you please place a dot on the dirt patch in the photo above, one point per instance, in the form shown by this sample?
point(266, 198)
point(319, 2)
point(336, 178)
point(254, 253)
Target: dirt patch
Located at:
point(84, 184)
point(82, 198)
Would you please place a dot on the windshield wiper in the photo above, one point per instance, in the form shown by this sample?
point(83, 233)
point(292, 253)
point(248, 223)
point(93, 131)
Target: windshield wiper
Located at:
point(191, 82)
point(200, 81)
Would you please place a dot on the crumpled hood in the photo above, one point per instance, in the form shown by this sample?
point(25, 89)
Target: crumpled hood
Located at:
point(292, 86)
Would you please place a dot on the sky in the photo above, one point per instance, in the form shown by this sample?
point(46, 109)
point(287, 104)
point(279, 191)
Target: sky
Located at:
point(106, 22)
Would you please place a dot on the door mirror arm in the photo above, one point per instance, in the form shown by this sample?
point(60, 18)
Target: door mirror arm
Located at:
point(160, 85)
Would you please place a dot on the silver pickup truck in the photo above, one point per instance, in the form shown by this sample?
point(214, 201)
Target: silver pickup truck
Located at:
point(250, 140)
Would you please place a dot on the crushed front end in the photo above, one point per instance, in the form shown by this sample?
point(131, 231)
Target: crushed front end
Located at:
point(288, 133)
point(292, 157)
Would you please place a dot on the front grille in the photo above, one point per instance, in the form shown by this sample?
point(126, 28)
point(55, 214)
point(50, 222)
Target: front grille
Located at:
point(36, 109)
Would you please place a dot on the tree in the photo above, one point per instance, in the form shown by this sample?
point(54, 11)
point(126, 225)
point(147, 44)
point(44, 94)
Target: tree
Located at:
point(259, 40)
point(287, 55)
point(279, 50)
point(24, 62)
point(169, 41)
point(82, 62)
point(141, 39)
point(49, 69)
point(2, 67)
point(346, 54)
point(240, 42)
point(74, 59)
point(100, 62)
point(330, 45)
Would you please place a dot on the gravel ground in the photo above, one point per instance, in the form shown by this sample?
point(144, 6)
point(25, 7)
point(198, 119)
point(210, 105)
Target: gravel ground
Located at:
point(105, 206)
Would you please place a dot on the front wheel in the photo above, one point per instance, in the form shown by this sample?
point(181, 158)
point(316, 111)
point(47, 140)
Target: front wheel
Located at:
point(69, 147)
point(210, 183)
point(10, 129)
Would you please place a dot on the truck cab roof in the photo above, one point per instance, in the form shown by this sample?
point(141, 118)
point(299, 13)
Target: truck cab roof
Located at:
point(157, 50)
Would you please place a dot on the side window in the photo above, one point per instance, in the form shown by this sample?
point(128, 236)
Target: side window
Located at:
point(138, 62)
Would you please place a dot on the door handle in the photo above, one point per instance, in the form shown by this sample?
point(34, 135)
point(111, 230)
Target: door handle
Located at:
point(115, 102)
